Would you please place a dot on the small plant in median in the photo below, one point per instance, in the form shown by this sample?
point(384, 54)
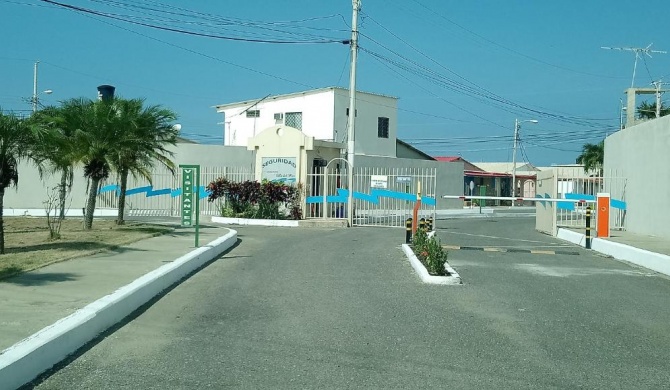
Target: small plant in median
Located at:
point(54, 219)
point(430, 252)
point(251, 199)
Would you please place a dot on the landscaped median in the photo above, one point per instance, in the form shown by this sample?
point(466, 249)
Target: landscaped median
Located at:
point(429, 259)
point(24, 361)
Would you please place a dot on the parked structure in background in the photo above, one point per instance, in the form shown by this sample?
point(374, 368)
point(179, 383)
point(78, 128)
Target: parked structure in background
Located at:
point(494, 179)
point(320, 113)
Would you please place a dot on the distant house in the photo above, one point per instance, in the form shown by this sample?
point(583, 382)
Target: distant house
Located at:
point(495, 178)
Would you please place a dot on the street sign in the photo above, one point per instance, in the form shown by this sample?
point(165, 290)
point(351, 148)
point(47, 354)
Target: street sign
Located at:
point(190, 196)
point(403, 179)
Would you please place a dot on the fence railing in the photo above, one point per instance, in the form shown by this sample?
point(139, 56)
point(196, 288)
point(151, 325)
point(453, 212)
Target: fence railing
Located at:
point(382, 196)
point(162, 197)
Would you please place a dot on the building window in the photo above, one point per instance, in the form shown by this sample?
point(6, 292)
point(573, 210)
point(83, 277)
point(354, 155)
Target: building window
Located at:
point(253, 113)
point(293, 119)
point(382, 127)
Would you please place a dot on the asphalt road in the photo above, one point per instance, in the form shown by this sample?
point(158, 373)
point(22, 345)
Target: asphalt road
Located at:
point(315, 308)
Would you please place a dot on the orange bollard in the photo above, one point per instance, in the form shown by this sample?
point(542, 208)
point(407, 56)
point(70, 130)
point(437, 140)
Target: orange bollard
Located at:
point(603, 215)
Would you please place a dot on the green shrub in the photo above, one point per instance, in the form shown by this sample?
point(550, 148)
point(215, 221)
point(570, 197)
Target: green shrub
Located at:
point(251, 199)
point(430, 252)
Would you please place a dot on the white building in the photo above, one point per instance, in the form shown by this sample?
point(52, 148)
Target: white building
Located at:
point(319, 113)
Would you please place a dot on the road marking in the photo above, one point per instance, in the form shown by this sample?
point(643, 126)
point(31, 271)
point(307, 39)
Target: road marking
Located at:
point(510, 250)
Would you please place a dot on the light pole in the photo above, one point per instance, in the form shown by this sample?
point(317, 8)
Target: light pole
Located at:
point(517, 127)
point(351, 150)
point(35, 98)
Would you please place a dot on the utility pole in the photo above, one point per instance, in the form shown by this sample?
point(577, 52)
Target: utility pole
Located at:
point(352, 110)
point(517, 126)
point(34, 100)
point(516, 139)
point(658, 85)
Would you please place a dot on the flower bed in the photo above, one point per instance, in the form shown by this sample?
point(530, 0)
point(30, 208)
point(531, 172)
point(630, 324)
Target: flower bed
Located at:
point(429, 251)
point(256, 200)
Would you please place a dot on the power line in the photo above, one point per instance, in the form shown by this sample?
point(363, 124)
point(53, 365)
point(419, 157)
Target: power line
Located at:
point(187, 32)
point(435, 13)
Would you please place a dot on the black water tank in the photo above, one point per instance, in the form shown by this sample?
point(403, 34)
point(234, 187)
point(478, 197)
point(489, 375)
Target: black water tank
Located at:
point(106, 92)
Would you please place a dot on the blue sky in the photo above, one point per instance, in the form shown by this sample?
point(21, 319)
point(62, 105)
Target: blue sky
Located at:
point(464, 71)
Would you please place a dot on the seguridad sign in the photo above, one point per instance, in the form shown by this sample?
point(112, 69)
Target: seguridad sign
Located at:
point(279, 169)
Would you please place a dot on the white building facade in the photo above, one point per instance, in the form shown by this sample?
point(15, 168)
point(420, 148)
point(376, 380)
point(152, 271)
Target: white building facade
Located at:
point(320, 113)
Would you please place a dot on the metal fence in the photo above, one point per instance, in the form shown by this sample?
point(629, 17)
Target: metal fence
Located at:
point(586, 188)
point(162, 197)
point(382, 196)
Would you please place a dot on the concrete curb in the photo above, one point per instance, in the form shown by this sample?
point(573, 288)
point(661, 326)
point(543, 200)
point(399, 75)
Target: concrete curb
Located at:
point(25, 360)
point(254, 222)
point(453, 279)
point(654, 261)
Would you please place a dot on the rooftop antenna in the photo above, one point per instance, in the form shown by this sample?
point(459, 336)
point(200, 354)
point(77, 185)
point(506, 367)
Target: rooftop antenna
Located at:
point(638, 53)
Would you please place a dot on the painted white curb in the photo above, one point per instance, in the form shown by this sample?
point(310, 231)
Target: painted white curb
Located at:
point(254, 222)
point(654, 261)
point(453, 279)
point(25, 360)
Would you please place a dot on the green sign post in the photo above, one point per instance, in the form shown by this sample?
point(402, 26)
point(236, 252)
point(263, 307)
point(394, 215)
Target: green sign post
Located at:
point(190, 198)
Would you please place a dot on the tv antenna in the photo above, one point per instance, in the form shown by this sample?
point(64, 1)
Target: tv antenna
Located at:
point(639, 51)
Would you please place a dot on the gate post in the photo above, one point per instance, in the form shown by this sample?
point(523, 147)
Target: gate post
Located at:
point(603, 215)
point(588, 227)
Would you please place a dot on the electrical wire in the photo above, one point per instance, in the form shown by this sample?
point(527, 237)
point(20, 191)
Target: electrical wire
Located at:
point(540, 61)
point(139, 22)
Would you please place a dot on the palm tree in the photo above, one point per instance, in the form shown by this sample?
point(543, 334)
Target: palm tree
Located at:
point(592, 156)
point(146, 132)
point(59, 148)
point(648, 111)
point(17, 140)
point(96, 137)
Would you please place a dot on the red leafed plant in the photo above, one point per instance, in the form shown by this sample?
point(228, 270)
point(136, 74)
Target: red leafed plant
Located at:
point(251, 199)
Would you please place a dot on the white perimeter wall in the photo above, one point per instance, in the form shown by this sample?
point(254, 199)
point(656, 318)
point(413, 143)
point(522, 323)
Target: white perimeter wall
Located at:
point(641, 154)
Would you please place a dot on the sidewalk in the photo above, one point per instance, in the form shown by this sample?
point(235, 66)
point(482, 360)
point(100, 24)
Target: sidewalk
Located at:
point(646, 251)
point(34, 300)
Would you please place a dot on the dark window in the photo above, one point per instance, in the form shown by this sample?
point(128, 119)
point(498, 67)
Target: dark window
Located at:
point(253, 113)
point(293, 119)
point(382, 127)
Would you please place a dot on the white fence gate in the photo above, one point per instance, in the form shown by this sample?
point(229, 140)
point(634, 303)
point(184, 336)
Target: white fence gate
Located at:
point(382, 196)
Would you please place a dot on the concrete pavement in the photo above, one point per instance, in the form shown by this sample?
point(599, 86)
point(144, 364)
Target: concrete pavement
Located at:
point(319, 308)
point(34, 301)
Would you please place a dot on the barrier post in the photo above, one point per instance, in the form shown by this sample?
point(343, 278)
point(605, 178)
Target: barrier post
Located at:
point(603, 215)
point(422, 224)
point(588, 227)
point(430, 224)
point(417, 206)
point(408, 230)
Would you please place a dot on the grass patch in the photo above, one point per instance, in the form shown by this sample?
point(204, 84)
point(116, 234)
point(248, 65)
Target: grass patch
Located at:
point(28, 247)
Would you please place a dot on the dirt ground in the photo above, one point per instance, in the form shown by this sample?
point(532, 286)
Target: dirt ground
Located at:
point(28, 246)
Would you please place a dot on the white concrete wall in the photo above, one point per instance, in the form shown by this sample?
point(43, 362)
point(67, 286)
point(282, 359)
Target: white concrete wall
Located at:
point(317, 117)
point(640, 154)
point(32, 191)
point(545, 213)
point(369, 107)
